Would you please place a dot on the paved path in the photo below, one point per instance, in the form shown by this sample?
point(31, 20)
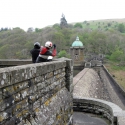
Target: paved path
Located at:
point(87, 84)
point(80, 118)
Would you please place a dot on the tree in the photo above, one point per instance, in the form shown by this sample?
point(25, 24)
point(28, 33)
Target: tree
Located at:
point(63, 53)
point(38, 30)
point(30, 30)
point(85, 22)
point(78, 25)
point(116, 55)
point(121, 28)
point(109, 24)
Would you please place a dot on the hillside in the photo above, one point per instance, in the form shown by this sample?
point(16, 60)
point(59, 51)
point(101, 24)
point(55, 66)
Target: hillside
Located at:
point(122, 20)
point(98, 36)
point(104, 24)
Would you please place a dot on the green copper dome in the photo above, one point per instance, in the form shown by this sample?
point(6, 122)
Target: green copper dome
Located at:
point(77, 43)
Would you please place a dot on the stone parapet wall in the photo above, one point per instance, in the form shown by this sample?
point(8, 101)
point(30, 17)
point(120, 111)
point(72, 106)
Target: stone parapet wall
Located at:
point(103, 108)
point(37, 94)
point(13, 62)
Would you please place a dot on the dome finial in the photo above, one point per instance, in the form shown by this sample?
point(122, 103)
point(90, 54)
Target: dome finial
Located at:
point(77, 38)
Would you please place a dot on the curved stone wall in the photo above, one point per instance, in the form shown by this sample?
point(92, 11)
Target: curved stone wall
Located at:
point(107, 109)
point(37, 94)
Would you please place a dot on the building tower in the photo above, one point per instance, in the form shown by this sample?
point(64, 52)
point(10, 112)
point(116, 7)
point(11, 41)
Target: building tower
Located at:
point(76, 52)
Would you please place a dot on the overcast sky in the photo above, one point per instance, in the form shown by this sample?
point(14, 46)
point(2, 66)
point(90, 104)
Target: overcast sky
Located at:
point(41, 13)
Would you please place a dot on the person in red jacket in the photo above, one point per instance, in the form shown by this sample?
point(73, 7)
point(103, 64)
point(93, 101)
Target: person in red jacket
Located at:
point(45, 52)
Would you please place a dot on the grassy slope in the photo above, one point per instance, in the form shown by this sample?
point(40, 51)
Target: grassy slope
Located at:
point(117, 71)
point(101, 24)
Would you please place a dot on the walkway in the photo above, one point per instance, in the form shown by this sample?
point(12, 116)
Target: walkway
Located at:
point(89, 84)
point(80, 118)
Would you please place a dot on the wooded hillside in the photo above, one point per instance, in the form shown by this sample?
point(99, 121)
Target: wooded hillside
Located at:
point(100, 36)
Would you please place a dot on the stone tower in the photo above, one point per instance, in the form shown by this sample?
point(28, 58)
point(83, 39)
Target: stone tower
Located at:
point(76, 52)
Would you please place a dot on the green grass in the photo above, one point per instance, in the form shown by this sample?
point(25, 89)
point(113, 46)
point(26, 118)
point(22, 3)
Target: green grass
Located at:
point(100, 24)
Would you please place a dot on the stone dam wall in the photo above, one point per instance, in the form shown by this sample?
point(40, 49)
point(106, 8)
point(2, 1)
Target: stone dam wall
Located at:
point(37, 94)
point(89, 96)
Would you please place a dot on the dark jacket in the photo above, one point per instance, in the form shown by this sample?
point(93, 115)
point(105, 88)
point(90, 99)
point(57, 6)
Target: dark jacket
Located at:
point(44, 53)
point(35, 52)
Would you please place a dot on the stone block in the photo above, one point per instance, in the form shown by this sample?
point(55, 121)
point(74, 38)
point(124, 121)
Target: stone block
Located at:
point(49, 75)
point(17, 108)
point(40, 85)
point(22, 122)
point(17, 97)
point(16, 75)
point(17, 87)
point(9, 101)
point(3, 116)
point(12, 121)
point(19, 116)
point(4, 78)
point(41, 69)
point(2, 105)
point(33, 89)
point(39, 79)
point(28, 122)
point(59, 65)
point(33, 121)
point(24, 103)
point(56, 77)
point(36, 104)
point(25, 112)
point(7, 91)
point(32, 98)
point(24, 93)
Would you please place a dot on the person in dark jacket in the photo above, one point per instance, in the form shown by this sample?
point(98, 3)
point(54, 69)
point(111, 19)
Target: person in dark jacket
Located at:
point(35, 51)
point(45, 52)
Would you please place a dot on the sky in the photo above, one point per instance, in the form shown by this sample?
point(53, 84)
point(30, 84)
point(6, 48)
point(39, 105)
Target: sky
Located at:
point(42, 13)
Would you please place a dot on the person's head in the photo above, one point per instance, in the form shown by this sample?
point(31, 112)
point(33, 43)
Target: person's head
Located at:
point(37, 45)
point(48, 44)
